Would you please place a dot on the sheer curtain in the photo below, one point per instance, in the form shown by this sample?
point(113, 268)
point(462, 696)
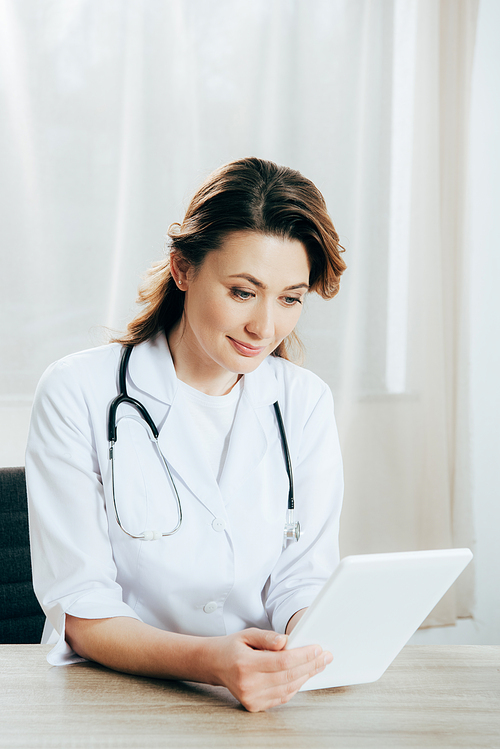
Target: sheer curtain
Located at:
point(112, 113)
point(401, 362)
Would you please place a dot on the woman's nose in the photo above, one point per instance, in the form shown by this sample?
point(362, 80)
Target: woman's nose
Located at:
point(261, 323)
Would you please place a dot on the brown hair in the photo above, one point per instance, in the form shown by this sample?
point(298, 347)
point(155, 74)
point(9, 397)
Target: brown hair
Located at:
point(246, 195)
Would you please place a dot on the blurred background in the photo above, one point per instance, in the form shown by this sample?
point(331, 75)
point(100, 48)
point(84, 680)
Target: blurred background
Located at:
point(113, 112)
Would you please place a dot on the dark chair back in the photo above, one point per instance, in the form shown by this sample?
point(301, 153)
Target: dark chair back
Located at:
point(21, 618)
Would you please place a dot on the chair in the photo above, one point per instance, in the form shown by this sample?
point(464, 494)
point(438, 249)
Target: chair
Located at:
point(21, 618)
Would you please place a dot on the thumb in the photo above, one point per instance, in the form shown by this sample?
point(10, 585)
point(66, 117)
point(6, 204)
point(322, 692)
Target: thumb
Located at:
point(262, 639)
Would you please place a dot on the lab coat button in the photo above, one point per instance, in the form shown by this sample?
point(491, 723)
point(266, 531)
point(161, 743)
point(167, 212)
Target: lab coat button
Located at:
point(218, 524)
point(209, 607)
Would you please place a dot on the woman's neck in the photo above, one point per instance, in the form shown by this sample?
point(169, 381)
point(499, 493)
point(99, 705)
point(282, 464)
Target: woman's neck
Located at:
point(197, 372)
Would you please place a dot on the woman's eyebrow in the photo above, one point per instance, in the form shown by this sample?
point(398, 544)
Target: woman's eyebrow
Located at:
point(261, 285)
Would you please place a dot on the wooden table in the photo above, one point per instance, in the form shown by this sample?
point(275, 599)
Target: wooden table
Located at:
point(430, 697)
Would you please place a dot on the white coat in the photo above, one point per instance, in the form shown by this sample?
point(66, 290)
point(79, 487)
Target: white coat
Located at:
point(225, 569)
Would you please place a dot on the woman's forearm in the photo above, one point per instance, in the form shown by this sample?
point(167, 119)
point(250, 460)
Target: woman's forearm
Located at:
point(126, 644)
point(252, 664)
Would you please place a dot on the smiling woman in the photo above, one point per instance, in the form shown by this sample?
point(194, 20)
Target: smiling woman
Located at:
point(205, 366)
point(239, 306)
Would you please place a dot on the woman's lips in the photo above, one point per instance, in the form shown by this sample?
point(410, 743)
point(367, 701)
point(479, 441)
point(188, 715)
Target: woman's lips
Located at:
point(245, 349)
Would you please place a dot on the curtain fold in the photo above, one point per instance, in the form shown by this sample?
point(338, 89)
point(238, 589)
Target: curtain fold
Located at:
point(405, 433)
point(113, 112)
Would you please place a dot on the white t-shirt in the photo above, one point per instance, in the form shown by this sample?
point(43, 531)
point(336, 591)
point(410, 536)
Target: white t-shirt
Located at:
point(213, 416)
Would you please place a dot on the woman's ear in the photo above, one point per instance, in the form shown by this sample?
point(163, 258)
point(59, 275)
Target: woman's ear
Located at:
point(179, 268)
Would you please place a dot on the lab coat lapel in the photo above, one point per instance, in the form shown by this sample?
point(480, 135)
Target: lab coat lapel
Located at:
point(151, 370)
point(248, 443)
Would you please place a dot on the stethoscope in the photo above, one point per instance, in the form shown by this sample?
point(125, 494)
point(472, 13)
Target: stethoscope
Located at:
point(292, 527)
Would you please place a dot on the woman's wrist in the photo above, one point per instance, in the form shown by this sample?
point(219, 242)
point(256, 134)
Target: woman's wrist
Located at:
point(294, 620)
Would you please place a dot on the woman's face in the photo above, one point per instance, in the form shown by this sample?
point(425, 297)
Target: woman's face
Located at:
point(243, 301)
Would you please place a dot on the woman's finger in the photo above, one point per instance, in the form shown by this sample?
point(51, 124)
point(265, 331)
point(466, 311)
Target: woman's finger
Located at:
point(279, 694)
point(261, 639)
point(301, 670)
point(286, 660)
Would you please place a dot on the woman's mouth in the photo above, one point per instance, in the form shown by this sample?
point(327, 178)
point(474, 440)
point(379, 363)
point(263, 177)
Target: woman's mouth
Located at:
point(245, 349)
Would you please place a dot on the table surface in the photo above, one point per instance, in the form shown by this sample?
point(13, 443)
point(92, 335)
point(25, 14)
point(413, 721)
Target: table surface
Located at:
point(444, 696)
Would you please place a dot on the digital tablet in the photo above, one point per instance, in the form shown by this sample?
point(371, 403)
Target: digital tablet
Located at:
point(369, 609)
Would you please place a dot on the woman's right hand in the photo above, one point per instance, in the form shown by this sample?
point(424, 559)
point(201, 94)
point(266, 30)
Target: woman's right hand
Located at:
point(258, 671)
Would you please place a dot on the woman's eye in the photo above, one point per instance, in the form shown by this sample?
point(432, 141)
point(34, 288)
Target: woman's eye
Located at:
point(240, 294)
point(291, 300)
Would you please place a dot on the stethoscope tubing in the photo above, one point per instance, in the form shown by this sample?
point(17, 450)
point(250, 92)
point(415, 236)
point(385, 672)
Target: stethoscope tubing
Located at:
point(292, 529)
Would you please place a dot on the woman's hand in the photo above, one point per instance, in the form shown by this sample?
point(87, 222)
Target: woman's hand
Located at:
point(257, 670)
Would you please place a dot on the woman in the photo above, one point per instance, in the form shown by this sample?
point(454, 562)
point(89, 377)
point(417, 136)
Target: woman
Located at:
point(213, 594)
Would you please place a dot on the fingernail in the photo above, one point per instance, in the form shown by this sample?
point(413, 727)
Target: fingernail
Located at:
point(317, 652)
point(328, 658)
point(277, 639)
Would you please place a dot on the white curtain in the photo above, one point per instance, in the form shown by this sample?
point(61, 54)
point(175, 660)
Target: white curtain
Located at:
point(400, 363)
point(112, 113)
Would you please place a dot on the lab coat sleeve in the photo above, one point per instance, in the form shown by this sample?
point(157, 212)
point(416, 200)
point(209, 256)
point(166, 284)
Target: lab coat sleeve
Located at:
point(305, 566)
point(73, 568)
